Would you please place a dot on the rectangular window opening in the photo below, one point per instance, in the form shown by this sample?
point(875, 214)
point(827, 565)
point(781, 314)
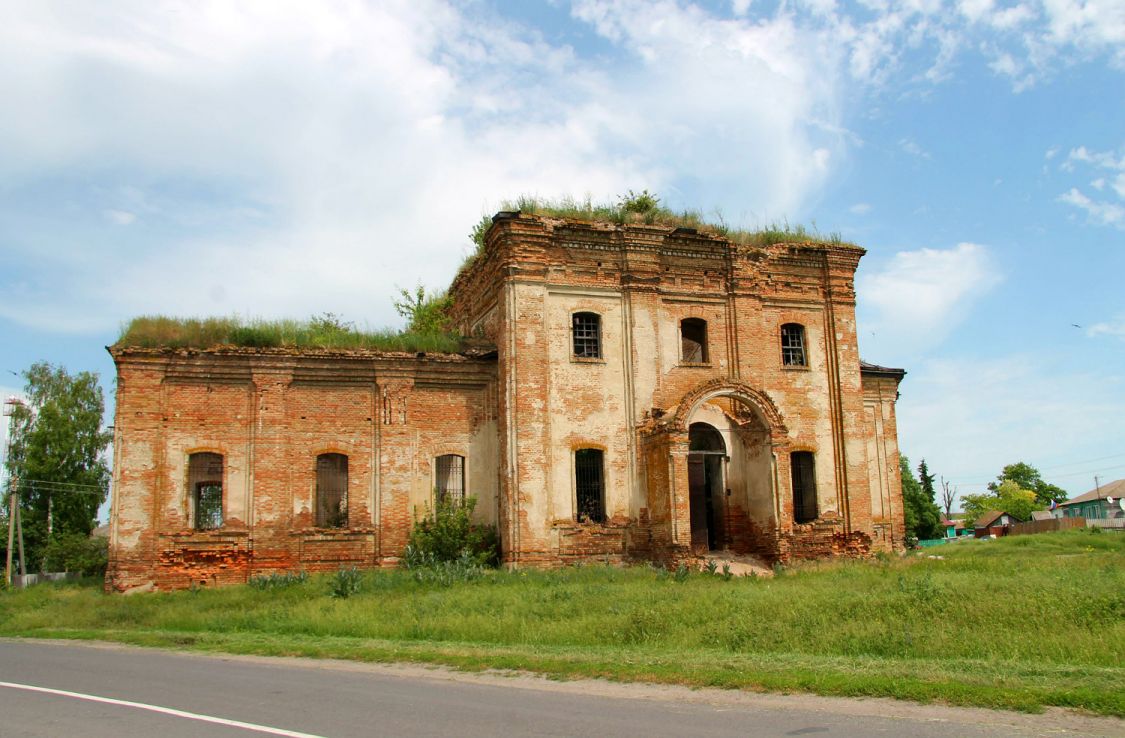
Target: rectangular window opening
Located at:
point(332, 491)
point(793, 345)
point(589, 478)
point(586, 333)
point(449, 480)
point(804, 486)
point(205, 485)
point(693, 341)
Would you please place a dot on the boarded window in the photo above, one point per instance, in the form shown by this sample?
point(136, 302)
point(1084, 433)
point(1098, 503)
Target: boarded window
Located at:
point(589, 478)
point(804, 486)
point(332, 491)
point(449, 479)
point(205, 489)
point(586, 331)
point(693, 340)
point(793, 345)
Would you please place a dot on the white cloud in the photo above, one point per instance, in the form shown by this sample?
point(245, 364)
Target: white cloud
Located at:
point(860, 208)
point(1101, 212)
point(1114, 328)
point(120, 217)
point(917, 298)
point(333, 149)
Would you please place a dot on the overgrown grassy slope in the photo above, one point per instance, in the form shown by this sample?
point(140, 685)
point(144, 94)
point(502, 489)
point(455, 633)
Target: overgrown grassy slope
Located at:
point(1019, 623)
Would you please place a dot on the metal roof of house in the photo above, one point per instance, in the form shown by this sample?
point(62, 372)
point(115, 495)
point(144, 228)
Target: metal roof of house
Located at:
point(988, 518)
point(1112, 489)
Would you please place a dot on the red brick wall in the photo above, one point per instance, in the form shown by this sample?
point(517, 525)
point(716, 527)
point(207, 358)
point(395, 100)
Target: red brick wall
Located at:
point(270, 414)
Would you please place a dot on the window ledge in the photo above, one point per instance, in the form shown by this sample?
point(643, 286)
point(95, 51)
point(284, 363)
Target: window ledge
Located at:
point(586, 360)
point(695, 364)
point(796, 368)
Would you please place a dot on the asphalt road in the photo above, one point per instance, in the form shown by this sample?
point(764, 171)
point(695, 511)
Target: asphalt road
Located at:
point(63, 688)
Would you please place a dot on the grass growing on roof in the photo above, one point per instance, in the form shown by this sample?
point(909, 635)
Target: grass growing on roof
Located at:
point(1018, 623)
point(159, 331)
point(645, 207)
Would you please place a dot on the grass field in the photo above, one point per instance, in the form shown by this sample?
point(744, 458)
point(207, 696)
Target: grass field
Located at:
point(1018, 623)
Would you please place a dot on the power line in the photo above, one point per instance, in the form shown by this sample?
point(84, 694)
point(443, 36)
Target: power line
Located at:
point(63, 484)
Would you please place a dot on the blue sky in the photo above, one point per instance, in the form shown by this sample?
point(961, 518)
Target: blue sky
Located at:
point(289, 158)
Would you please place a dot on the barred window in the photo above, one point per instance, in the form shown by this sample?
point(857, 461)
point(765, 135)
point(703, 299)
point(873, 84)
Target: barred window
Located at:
point(449, 478)
point(804, 486)
point(586, 331)
point(205, 490)
point(793, 345)
point(589, 479)
point(693, 341)
point(332, 491)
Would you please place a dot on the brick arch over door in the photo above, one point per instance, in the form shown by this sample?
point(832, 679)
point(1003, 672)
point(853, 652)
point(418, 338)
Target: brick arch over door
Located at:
point(759, 401)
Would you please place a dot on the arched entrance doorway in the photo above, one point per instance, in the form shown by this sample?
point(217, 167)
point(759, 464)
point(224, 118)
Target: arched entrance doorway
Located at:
point(707, 493)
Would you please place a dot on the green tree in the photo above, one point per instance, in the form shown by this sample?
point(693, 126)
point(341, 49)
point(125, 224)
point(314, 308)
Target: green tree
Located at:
point(425, 313)
point(923, 518)
point(56, 452)
point(1027, 476)
point(1008, 497)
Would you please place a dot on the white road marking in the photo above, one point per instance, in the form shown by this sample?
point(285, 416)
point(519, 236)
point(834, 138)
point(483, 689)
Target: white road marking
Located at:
point(162, 710)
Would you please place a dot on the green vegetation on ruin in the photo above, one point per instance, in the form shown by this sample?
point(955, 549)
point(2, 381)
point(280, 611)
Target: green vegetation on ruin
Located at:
point(645, 208)
point(325, 332)
point(1019, 623)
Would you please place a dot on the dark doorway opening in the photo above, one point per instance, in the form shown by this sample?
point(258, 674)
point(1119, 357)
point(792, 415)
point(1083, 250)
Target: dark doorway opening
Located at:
point(707, 494)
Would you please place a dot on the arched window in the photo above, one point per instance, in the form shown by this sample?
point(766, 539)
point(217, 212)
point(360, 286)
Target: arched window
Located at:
point(793, 345)
point(449, 479)
point(332, 491)
point(804, 486)
point(205, 490)
point(589, 484)
point(586, 334)
point(693, 341)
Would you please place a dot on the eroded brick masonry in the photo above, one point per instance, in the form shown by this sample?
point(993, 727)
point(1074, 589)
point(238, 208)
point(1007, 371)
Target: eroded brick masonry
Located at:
point(635, 393)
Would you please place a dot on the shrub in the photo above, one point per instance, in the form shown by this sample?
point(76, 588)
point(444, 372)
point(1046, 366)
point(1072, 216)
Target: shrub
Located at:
point(346, 583)
point(448, 534)
point(76, 552)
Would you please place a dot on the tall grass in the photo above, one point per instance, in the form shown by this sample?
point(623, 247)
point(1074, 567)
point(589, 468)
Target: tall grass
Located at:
point(1025, 621)
point(157, 331)
point(653, 213)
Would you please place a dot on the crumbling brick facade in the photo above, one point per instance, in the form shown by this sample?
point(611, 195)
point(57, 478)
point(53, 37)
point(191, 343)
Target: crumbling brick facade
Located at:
point(653, 393)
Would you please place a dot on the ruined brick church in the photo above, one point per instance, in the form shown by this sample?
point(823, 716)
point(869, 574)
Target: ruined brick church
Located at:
point(634, 393)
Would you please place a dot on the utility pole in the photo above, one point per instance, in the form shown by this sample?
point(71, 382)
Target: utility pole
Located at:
point(14, 520)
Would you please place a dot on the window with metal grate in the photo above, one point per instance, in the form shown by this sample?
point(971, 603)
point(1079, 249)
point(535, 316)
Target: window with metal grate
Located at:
point(586, 329)
point(793, 345)
point(332, 491)
point(589, 482)
point(205, 490)
point(449, 478)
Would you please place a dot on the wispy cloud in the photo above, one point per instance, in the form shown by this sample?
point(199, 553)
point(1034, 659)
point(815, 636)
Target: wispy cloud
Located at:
point(911, 147)
point(1108, 207)
point(120, 217)
point(860, 208)
point(915, 300)
point(1114, 328)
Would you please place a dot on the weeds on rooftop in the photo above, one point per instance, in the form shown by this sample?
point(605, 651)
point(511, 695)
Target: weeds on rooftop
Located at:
point(326, 331)
point(645, 208)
